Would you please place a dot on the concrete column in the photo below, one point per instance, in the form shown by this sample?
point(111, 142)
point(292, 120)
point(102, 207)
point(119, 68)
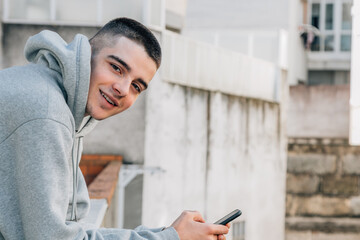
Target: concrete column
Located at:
point(354, 129)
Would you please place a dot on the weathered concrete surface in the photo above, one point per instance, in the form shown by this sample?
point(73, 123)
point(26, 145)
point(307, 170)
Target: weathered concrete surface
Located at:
point(318, 111)
point(16, 35)
point(219, 152)
point(245, 168)
point(175, 140)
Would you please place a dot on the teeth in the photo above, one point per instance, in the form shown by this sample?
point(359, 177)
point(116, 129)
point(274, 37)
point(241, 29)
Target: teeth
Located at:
point(107, 99)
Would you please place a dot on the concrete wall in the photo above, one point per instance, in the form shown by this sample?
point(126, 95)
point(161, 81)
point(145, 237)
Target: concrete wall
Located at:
point(16, 35)
point(219, 152)
point(319, 111)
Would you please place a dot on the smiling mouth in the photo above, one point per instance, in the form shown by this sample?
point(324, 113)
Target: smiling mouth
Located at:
point(107, 99)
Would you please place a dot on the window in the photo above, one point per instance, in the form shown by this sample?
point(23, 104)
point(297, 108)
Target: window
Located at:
point(346, 21)
point(333, 19)
point(326, 77)
point(315, 15)
point(329, 16)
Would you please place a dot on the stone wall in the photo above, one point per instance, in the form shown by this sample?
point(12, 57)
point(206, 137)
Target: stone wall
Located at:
point(323, 197)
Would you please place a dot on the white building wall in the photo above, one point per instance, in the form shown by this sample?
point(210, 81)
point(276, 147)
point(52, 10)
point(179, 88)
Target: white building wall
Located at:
point(262, 29)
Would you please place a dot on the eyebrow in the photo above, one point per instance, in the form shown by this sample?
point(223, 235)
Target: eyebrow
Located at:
point(143, 83)
point(128, 68)
point(119, 60)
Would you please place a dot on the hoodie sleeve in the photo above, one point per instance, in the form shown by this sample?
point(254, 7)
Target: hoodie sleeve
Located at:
point(42, 167)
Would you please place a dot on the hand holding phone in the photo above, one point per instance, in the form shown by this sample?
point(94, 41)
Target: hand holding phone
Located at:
point(228, 218)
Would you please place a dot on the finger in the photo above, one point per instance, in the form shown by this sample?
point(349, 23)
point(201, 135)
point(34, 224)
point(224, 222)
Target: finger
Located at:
point(218, 229)
point(228, 225)
point(221, 237)
point(194, 215)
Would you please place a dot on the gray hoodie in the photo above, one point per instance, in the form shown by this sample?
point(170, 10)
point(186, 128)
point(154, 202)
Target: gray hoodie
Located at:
point(41, 128)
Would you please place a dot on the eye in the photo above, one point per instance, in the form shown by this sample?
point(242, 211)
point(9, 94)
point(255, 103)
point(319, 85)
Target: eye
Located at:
point(116, 68)
point(137, 88)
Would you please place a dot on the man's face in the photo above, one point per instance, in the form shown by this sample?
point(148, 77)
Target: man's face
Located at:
point(118, 75)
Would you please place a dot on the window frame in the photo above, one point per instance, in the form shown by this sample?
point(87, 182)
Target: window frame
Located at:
point(337, 30)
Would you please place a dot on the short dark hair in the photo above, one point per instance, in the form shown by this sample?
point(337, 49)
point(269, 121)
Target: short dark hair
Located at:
point(130, 29)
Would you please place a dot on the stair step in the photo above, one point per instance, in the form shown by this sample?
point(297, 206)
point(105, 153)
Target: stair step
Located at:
point(323, 224)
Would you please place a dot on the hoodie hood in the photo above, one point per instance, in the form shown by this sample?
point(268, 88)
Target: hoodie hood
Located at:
point(71, 60)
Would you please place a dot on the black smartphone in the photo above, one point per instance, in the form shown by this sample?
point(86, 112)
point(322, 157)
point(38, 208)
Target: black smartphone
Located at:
point(228, 218)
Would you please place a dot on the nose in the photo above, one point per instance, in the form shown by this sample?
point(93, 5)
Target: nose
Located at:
point(122, 87)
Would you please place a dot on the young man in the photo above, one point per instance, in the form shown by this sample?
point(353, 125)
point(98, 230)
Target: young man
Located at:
point(47, 108)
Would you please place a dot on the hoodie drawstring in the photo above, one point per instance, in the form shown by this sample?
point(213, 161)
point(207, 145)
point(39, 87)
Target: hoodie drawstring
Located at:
point(75, 162)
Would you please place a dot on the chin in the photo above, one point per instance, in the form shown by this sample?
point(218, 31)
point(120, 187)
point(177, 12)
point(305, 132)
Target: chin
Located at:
point(98, 118)
point(97, 115)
